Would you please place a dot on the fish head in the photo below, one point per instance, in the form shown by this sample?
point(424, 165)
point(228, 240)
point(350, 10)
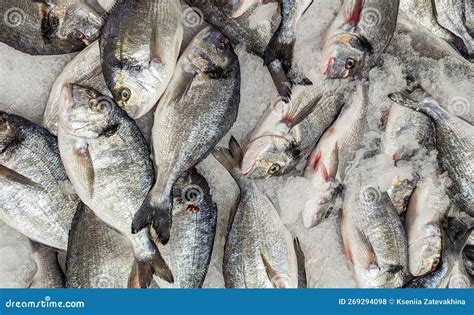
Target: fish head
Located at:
point(84, 112)
point(78, 23)
point(211, 53)
point(425, 252)
point(269, 156)
point(318, 210)
point(344, 56)
point(374, 276)
point(7, 133)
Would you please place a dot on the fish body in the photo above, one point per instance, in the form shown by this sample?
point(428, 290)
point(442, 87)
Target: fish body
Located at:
point(49, 273)
point(358, 35)
point(197, 110)
point(50, 27)
point(455, 144)
point(287, 132)
point(107, 160)
point(189, 250)
point(259, 250)
point(139, 47)
point(98, 256)
point(326, 166)
point(85, 69)
point(36, 196)
point(373, 236)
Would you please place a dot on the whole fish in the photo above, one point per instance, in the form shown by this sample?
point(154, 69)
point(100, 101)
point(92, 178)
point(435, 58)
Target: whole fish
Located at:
point(326, 166)
point(139, 47)
point(358, 35)
point(50, 27)
point(196, 111)
point(373, 236)
point(428, 205)
point(455, 144)
point(274, 42)
point(49, 273)
point(189, 250)
point(36, 197)
point(97, 256)
point(287, 132)
point(450, 14)
point(85, 69)
point(259, 250)
point(107, 160)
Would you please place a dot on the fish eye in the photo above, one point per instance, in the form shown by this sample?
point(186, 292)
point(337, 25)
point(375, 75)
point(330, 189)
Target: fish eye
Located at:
point(274, 169)
point(220, 47)
point(125, 94)
point(78, 35)
point(350, 63)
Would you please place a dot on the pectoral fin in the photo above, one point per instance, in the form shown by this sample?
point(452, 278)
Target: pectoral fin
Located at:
point(82, 161)
point(16, 177)
point(277, 280)
point(295, 114)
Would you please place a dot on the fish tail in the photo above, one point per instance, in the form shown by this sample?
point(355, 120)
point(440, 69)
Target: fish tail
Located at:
point(427, 106)
point(158, 215)
point(141, 275)
point(300, 261)
point(230, 158)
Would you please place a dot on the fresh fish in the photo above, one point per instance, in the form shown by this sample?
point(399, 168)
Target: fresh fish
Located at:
point(287, 132)
point(192, 235)
point(97, 256)
point(468, 255)
point(274, 43)
point(85, 69)
point(455, 144)
point(450, 14)
point(428, 205)
point(373, 236)
point(197, 110)
point(327, 164)
point(36, 197)
point(358, 35)
point(139, 47)
point(459, 278)
point(49, 273)
point(50, 27)
point(107, 160)
point(450, 257)
point(469, 16)
point(259, 250)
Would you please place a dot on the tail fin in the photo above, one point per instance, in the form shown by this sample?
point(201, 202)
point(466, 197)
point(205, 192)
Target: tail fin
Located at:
point(230, 158)
point(158, 216)
point(300, 260)
point(141, 275)
point(428, 106)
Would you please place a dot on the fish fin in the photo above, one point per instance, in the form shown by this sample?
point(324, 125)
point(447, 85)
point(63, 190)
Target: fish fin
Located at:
point(294, 116)
point(353, 13)
point(82, 161)
point(272, 274)
point(280, 80)
point(12, 175)
point(141, 275)
point(230, 158)
point(428, 106)
point(279, 50)
point(334, 162)
point(324, 171)
point(184, 83)
point(158, 216)
point(300, 259)
point(365, 255)
point(161, 269)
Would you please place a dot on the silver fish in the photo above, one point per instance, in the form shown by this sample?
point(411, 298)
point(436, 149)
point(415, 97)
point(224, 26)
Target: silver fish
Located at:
point(450, 14)
point(358, 35)
point(189, 250)
point(139, 47)
point(97, 256)
point(455, 144)
point(327, 164)
point(50, 27)
point(259, 250)
point(287, 132)
point(107, 160)
point(49, 273)
point(373, 236)
point(428, 205)
point(469, 16)
point(196, 111)
point(36, 196)
point(85, 69)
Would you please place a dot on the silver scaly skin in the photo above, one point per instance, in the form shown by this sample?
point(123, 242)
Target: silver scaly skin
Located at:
point(98, 256)
point(455, 144)
point(85, 69)
point(197, 110)
point(50, 27)
point(139, 47)
point(373, 236)
point(189, 250)
point(259, 250)
point(108, 162)
point(36, 196)
point(49, 273)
